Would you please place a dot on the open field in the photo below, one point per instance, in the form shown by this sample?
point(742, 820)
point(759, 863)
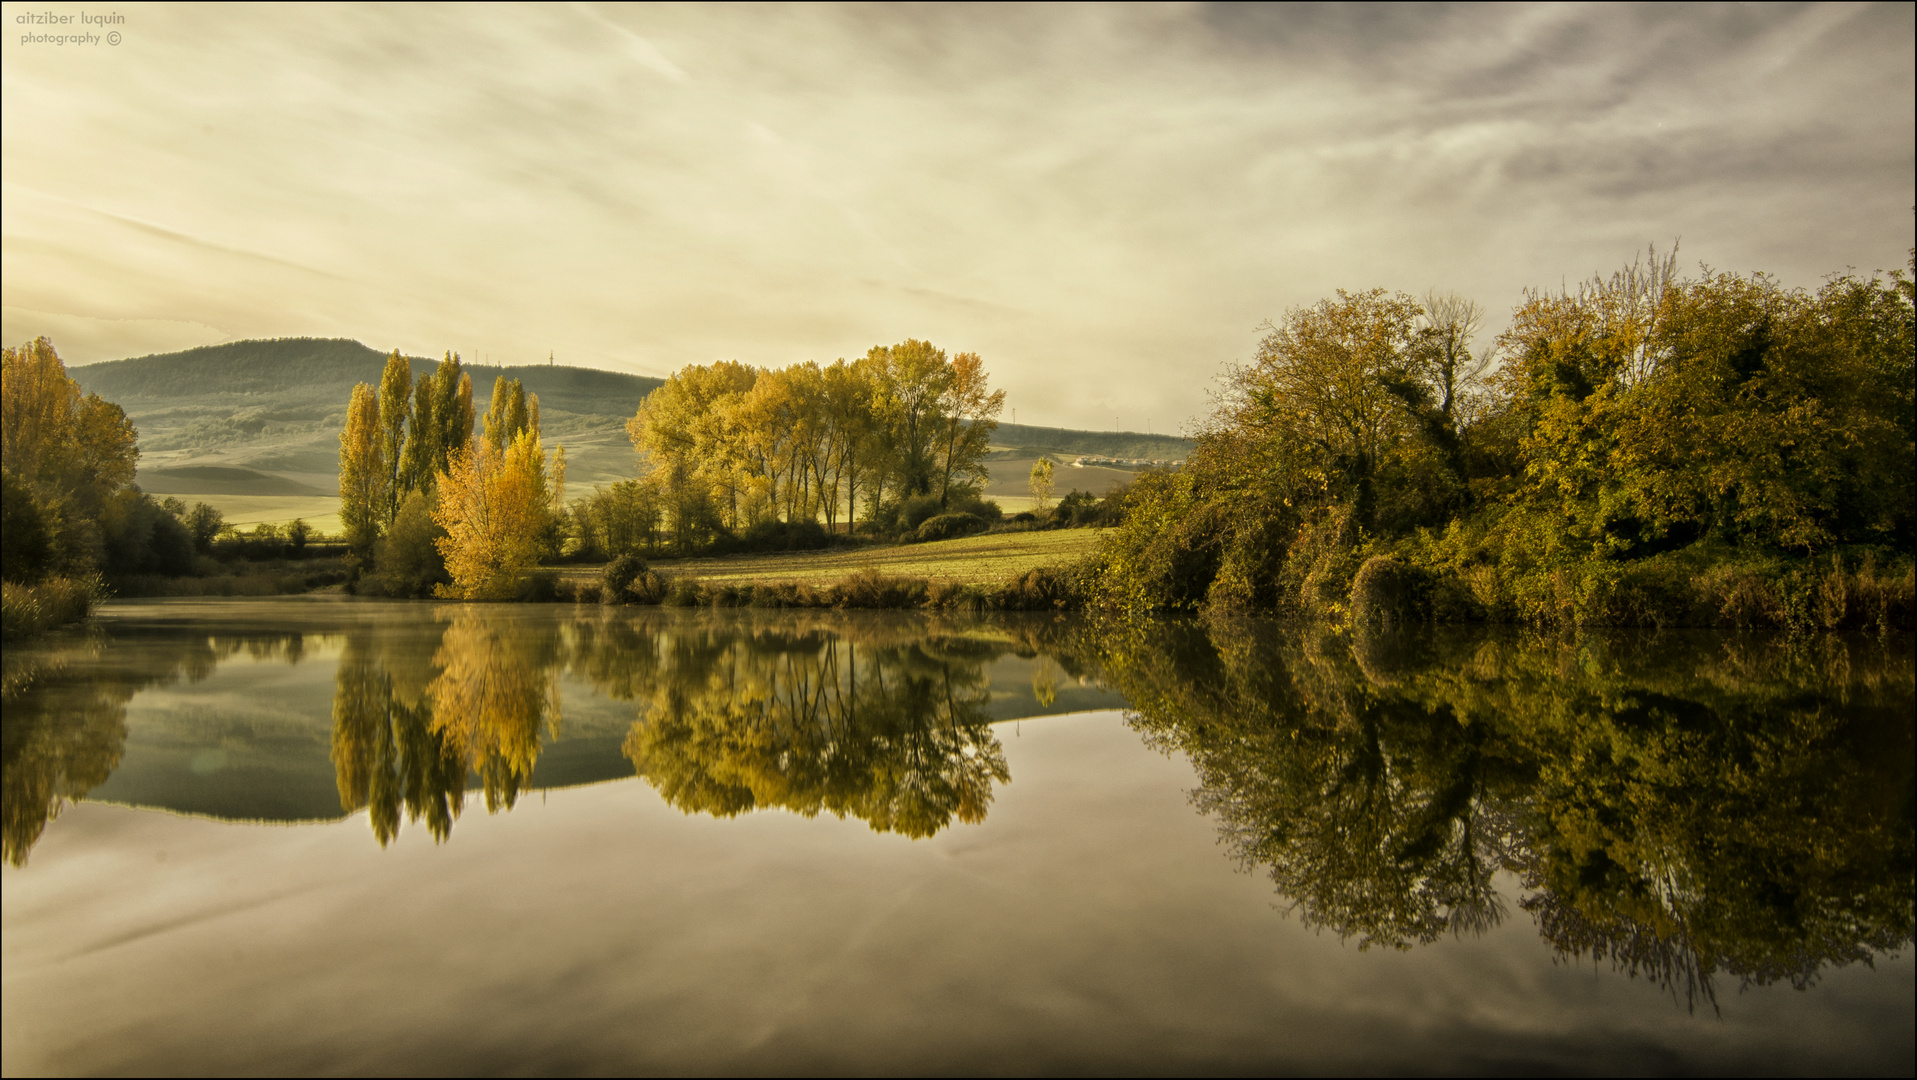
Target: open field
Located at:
point(1011, 479)
point(970, 559)
point(246, 511)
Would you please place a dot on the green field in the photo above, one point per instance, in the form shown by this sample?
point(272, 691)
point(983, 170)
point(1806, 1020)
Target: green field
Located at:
point(1010, 484)
point(246, 511)
point(971, 559)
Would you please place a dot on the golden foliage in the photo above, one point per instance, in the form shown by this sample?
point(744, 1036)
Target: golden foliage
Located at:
point(496, 507)
point(365, 485)
point(54, 437)
point(732, 445)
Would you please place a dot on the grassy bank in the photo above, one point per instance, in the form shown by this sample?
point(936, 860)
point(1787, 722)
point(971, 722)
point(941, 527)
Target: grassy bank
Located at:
point(1038, 589)
point(971, 560)
point(26, 610)
point(241, 577)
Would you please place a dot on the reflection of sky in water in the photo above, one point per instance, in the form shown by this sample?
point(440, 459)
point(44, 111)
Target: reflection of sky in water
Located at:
point(1093, 920)
point(1089, 924)
point(252, 738)
point(248, 741)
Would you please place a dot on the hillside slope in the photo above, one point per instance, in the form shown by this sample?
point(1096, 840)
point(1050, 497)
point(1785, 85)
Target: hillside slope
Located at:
point(276, 407)
point(262, 418)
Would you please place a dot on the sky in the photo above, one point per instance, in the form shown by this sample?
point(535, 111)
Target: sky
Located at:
point(1103, 202)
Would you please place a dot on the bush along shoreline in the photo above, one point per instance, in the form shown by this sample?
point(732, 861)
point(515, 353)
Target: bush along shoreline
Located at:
point(628, 580)
point(30, 610)
point(1638, 450)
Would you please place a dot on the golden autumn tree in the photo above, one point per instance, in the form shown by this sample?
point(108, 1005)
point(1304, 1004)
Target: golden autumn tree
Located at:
point(69, 460)
point(453, 412)
point(1042, 484)
point(512, 411)
point(691, 447)
point(364, 482)
point(56, 437)
point(968, 414)
point(497, 507)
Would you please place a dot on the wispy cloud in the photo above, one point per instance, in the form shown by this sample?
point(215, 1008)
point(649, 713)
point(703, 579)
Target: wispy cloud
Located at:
point(1104, 201)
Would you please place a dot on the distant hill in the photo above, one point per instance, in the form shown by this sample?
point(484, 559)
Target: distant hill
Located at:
point(1110, 444)
point(323, 370)
point(223, 480)
point(274, 409)
point(258, 418)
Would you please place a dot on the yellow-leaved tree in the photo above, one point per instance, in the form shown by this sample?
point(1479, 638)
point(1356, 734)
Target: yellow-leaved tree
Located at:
point(497, 507)
point(365, 485)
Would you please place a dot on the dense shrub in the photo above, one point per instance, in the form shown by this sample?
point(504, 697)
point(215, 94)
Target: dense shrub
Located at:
point(774, 535)
point(872, 589)
point(1080, 509)
point(628, 580)
point(979, 507)
point(140, 537)
point(538, 587)
point(1387, 594)
point(1649, 451)
point(407, 560)
point(916, 511)
point(26, 544)
point(947, 526)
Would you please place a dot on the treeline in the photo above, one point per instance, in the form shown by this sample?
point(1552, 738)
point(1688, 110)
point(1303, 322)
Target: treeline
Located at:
point(1641, 449)
point(730, 448)
point(431, 510)
point(70, 514)
point(733, 456)
point(77, 527)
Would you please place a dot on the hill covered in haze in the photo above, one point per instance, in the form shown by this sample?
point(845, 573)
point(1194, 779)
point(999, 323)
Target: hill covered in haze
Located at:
point(267, 414)
point(262, 417)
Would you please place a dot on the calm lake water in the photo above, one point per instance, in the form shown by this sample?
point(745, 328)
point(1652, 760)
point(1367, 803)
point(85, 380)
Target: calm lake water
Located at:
point(337, 836)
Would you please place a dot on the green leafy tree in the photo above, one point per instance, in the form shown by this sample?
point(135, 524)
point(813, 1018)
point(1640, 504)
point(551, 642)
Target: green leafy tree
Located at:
point(395, 409)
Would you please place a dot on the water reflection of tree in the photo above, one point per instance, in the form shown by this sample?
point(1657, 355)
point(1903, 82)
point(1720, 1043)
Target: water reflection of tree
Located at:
point(1674, 806)
point(885, 722)
point(65, 703)
point(413, 717)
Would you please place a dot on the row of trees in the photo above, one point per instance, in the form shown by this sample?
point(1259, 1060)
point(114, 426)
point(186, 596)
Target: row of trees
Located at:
point(729, 445)
point(726, 448)
point(430, 506)
point(1622, 441)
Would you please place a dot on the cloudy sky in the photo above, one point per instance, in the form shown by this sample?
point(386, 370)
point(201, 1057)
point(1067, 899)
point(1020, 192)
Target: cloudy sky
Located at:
point(1104, 202)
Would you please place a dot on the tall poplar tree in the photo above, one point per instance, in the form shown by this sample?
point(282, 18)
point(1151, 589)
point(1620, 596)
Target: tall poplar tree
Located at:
point(395, 403)
point(453, 411)
point(422, 437)
point(364, 479)
point(509, 414)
